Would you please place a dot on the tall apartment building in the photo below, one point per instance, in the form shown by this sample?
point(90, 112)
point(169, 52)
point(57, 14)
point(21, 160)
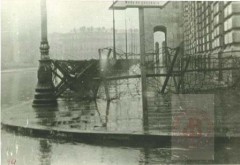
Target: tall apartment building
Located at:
point(212, 28)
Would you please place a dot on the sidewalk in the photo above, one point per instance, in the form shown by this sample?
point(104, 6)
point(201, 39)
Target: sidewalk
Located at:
point(120, 119)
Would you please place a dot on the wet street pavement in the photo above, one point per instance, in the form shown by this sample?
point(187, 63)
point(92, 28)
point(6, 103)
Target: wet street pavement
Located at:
point(122, 115)
point(26, 150)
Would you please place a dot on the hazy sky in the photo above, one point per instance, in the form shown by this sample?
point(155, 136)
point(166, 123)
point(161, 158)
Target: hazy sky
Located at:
point(64, 15)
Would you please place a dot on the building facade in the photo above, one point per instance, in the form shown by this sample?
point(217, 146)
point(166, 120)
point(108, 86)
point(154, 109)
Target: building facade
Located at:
point(205, 27)
point(212, 27)
point(208, 32)
point(84, 43)
point(168, 20)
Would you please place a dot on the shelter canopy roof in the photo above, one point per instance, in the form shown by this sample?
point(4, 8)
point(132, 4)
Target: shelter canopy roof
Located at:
point(122, 5)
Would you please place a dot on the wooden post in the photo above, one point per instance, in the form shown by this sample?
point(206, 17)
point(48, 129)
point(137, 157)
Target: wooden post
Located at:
point(143, 66)
point(103, 73)
point(126, 42)
point(157, 70)
point(169, 72)
point(105, 83)
point(44, 93)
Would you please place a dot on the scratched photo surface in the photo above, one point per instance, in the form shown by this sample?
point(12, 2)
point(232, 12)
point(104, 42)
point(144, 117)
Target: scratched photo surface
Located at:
point(113, 82)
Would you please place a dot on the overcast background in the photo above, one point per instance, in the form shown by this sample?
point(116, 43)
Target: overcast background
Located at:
point(20, 24)
point(63, 15)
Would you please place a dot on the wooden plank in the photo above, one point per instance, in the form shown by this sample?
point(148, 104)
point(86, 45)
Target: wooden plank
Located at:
point(61, 89)
point(109, 53)
point(135, 76)
point(212, 69)
point(175, 83)
point(182, 74)
point(85, 69)
point(170, 70)
point(61, 69)
point(67, 80)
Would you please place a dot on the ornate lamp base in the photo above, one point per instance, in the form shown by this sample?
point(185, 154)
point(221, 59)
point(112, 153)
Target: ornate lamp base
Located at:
point(44, 92)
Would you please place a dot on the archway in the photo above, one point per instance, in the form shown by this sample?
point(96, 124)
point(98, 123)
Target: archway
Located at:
point(159, 36)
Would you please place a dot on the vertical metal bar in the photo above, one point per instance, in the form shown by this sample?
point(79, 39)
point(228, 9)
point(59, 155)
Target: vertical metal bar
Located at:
point(157, 69)
point(126, 36)
point(143, 67)
point(114, 37)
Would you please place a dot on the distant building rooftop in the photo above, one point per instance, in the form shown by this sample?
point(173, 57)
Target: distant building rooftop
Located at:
point(122, 5)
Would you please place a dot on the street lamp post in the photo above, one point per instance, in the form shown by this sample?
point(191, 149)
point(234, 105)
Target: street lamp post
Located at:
point(44, 92)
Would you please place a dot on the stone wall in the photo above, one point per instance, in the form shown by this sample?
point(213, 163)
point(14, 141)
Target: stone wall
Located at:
point(171, 17)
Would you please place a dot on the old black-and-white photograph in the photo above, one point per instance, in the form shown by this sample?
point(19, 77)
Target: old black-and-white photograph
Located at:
point(114, 82)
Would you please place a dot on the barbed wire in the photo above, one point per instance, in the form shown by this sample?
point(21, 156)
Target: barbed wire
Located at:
point(195, 80)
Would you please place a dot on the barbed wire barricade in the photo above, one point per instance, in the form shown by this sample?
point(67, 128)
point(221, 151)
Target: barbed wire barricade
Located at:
point(211, 72)
point(167, 70)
